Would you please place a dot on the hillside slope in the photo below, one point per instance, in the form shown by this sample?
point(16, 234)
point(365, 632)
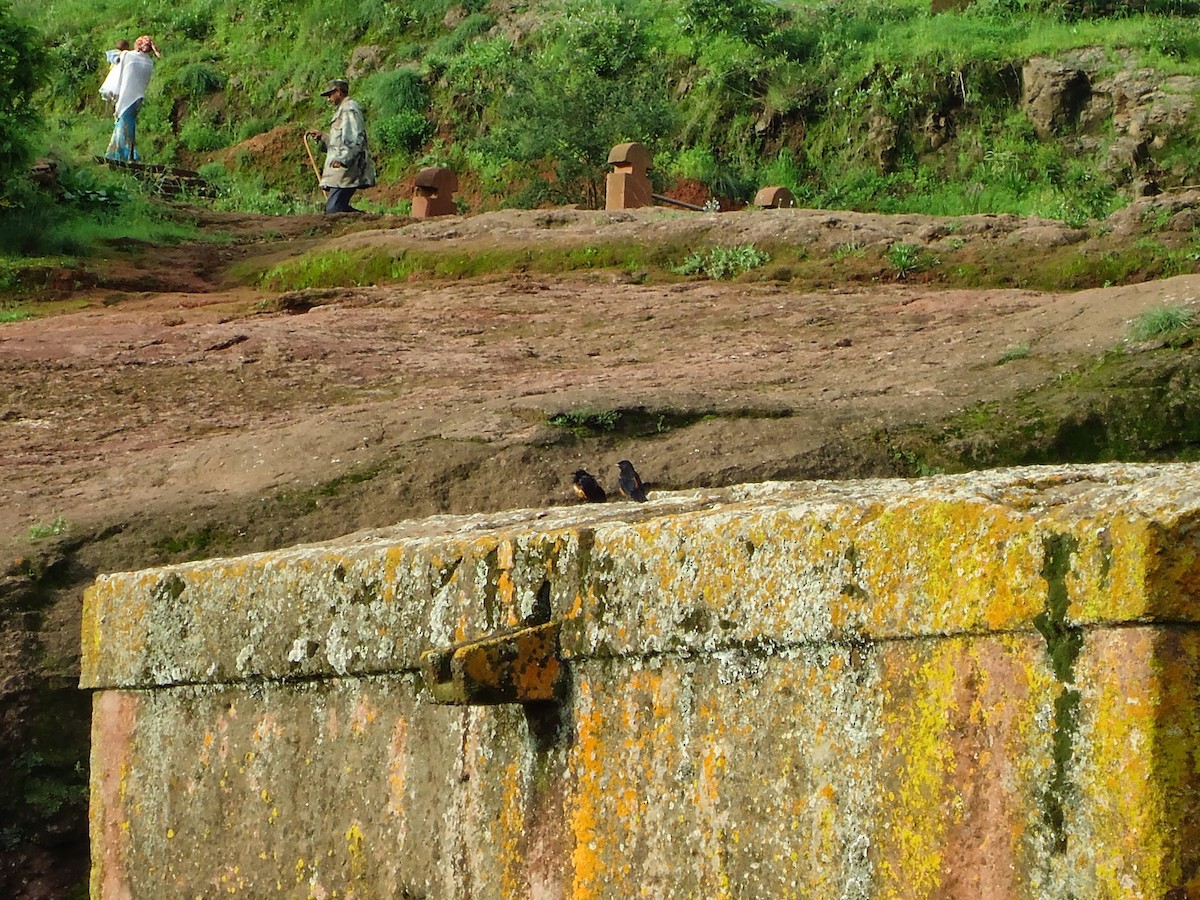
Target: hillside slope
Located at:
point(180, 410)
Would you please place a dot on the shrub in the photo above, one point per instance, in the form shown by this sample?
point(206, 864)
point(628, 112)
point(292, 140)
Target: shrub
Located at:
point(406, 130)
point(392, 93)
point(22, 72)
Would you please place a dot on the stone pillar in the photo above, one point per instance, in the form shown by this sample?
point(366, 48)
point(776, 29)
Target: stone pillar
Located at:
point(628, 184)
point(433, 193)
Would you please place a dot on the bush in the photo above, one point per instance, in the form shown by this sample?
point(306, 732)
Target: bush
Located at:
point(22, 72)
point(405, 131)
point(197, 79)
point(393, 93)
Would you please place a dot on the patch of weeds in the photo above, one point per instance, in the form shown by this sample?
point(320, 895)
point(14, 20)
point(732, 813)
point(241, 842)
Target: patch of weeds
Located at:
point(1157, 218)
point(196, 544)
point(334, 486)
point(16, 313)
point(914, 463)
point(1019, 351)
point(850, 248)
point(42, 530)
point(721, 263)
point(1164, 322)
point(585, 422)
point(1063, 644)
point(908, 259)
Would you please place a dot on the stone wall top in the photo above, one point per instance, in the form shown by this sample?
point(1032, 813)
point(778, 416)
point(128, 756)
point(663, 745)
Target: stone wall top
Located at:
point(779, 564)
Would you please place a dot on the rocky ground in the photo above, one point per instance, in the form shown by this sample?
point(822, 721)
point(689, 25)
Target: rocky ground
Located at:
point(169, 411)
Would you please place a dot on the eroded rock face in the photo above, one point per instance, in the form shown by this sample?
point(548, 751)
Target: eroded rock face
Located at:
point(1055, 94)
point(1143, 110)
point(965, 686)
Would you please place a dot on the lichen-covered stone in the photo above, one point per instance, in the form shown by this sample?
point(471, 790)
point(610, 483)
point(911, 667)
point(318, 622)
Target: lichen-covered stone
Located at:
point(972, 686)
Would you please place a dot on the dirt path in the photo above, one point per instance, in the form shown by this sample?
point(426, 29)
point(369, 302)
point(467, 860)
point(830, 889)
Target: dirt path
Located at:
point(170, 399)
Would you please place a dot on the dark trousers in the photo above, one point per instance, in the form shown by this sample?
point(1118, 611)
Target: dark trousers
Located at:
point(338, 200)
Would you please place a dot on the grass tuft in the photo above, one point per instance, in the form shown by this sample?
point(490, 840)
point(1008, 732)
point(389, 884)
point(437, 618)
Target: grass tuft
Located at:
point(1163, 322)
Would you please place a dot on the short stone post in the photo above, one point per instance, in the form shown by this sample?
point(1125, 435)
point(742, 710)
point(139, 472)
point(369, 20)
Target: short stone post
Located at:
point(775, 197)
point(628, 184)
point(433, 193)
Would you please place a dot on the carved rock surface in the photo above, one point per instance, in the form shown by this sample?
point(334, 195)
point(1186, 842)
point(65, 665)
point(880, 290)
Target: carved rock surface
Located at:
point(967, 686)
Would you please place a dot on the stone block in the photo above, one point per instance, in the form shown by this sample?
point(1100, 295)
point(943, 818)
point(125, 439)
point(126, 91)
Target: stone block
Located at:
point(433, 193)
point(974, 686)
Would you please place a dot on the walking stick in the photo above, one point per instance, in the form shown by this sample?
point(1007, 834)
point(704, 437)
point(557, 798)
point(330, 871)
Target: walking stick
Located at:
point(312, 159)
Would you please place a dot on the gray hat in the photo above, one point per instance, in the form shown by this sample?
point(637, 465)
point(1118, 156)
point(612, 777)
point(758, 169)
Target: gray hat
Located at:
point(336, 85)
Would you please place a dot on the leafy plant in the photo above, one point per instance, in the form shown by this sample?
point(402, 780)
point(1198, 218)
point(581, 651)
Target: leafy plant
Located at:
point(587, 421)
point(720, 263)
point(23, 69)
point(86, 189)
point(406, 130)
point(42, 530)
point(905, 259)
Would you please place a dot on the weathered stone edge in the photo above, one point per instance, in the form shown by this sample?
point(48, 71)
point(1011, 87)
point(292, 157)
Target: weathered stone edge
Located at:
point(693, 572)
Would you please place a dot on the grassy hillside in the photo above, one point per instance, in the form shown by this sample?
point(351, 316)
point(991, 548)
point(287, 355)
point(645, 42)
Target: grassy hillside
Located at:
point(524, 100)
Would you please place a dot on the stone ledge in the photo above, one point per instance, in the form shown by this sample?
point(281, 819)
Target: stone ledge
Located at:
point(783, 564)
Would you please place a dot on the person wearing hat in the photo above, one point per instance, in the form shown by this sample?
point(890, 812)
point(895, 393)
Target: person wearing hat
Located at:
point(348, 164)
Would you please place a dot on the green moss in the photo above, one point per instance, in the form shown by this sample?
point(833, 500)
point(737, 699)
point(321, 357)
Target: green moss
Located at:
point(195, 544)
point(1063, 645)
point(1132, 407)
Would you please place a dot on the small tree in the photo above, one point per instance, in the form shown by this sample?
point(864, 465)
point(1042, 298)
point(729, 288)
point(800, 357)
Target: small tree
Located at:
point(22, 71)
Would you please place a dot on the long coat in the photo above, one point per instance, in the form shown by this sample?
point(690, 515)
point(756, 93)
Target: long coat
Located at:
point(347, 144)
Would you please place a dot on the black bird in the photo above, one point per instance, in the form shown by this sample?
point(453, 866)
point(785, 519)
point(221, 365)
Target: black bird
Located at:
point(586, 487)
point(629, 483)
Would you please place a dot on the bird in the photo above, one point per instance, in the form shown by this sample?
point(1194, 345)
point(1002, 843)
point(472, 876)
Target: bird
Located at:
point(629, 483)
point(587, 488)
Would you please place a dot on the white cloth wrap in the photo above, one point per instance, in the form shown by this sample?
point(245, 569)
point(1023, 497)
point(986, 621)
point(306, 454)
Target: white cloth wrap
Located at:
point(128, 79)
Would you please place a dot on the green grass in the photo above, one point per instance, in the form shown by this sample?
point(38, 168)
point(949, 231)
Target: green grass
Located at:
point(1164, 322)
point(529, 120)
point(15, 313)
point(336, 268)
point(1018, 351)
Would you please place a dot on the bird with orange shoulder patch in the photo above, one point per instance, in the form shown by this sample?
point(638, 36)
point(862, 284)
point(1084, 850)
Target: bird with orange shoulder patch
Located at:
point(630, 483)
point(587, 488)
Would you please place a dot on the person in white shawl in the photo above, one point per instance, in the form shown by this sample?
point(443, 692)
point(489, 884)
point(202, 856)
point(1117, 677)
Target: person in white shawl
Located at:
point(126, 85)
